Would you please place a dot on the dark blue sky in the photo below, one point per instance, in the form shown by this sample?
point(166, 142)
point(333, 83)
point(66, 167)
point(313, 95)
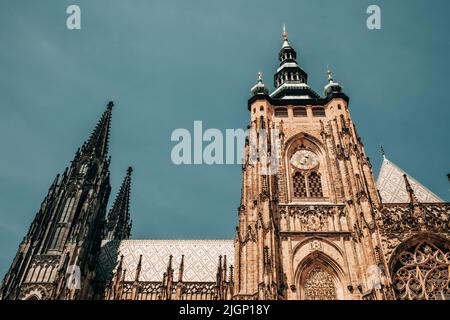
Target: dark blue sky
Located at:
point(168, 63)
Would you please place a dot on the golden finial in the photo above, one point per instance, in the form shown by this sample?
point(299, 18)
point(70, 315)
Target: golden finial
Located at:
point(284, 34)
point(330, 74)
point(260, 75)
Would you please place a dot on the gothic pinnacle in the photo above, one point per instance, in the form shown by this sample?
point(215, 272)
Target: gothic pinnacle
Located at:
point(382, 152)
point(118, 225)
point(181, 269)
point(332, 86)
point(410, 190)
point(138, 268)
point(259, 87)
point(330, 75)
point(99, 139)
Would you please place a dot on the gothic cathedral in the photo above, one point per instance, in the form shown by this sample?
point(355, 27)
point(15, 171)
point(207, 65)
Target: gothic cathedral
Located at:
point(316, 226)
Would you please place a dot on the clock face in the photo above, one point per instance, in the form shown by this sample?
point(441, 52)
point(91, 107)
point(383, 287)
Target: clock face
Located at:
point(304, 159)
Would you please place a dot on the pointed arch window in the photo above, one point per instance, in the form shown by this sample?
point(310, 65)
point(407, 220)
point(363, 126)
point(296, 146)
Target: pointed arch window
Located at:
point(315, 185)
point(319, 285)
point(57, 238)
point(299, 185)
point(67, 209)
point(306, 185)
point(84, 168)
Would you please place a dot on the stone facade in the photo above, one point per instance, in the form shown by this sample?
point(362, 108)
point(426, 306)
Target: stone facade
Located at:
point(312, 222)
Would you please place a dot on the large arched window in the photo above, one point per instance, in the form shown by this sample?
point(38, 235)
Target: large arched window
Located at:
point(422, 272)
point(299, 185)
point(314, 185)
point(319, 285)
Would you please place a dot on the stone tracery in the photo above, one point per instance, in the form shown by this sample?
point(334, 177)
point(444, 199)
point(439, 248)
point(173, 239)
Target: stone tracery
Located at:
point(422, 272)
point(319, 285)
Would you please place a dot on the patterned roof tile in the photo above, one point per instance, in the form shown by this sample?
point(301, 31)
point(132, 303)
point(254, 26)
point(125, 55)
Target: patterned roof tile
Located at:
point(200, 258)
point(391, 185)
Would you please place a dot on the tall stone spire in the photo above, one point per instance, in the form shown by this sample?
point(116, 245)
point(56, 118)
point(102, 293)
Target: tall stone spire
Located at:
point(410, 190)
point(99, 140)
point(383, 153)
point(68, 226)
point(118, 226)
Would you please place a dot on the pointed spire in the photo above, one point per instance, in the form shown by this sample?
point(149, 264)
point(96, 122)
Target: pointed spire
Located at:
point(284, 35)
point(181, 269)
point(117, 280)
point(231, 274)
point(224, 269)
point(124, 274)
point(267, 266)
point(219, 271)
point(138, 269)
point(287, 54)
point(169, 270)
point(410, 190)
point(168, 280)
point(330, 75)
point(332, 86)
point(382, 152)
point(169, 266)
point(99, 139)
point(259, 87)
point(290, 80)
point(119, 268)
point(118, 226)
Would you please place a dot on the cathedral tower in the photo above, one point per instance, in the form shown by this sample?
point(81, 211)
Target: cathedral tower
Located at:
point(307, 216)
point(58, 255)
point(312, 222)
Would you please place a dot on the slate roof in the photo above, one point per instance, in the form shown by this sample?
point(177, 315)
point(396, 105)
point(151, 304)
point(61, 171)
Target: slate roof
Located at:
point(391, 185)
